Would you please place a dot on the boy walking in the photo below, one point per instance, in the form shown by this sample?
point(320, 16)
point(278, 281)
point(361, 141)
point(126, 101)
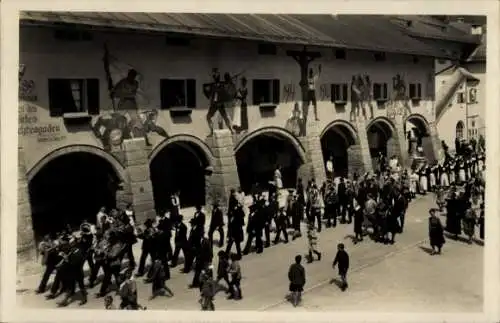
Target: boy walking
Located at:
point(313, 243)
point(342, 262)
point(297, 278)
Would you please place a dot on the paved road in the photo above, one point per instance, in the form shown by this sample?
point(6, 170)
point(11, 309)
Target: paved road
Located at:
point(375, 267)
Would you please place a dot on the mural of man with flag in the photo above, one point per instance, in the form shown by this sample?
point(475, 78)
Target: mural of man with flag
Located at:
point(128, 99)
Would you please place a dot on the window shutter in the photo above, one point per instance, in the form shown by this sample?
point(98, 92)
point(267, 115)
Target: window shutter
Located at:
point(93, 96)
point(333, 93)
point(55, 107)
point(255, 94)
point(344, 92)
point(164, 102)
point(385, 91)
point(191, 93)
point(419, 90)
point(276, 91)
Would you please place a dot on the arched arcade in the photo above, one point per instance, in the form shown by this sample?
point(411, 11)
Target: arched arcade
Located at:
point(336, 139)
point(380, 134)
point(178, 164)
point(260, 152)
point(71, 184)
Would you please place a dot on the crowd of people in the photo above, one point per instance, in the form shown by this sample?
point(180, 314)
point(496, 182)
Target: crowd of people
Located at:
point(375, 203)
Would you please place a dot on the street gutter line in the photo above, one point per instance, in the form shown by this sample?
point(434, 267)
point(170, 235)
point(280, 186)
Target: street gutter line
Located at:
point(357, 269)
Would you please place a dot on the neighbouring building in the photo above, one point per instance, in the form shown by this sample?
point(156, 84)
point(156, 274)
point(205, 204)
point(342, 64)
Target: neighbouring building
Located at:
point(80, 150)
point(461, 93)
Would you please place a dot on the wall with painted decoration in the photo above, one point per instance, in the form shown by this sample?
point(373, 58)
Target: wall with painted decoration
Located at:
point(48, 59)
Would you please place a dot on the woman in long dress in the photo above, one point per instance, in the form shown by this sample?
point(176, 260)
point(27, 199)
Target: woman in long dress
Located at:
point(444, 180)
point(469, 224)
point(423, 180)
point(436, 232)
point(413, 184)
point(461, 172)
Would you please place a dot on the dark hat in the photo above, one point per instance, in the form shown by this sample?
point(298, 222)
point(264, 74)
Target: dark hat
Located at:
point(433, 210)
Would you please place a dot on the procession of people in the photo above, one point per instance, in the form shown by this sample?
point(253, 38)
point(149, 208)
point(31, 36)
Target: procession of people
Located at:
point(375, 203)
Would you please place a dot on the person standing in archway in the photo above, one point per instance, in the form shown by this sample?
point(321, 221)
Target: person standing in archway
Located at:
point(329, 168)
point(278, 182)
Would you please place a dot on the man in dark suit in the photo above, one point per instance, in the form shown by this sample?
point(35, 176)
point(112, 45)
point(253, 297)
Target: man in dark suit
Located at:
point(342, 262)
point(342, 200)
point(216, 224)
point(180, 241)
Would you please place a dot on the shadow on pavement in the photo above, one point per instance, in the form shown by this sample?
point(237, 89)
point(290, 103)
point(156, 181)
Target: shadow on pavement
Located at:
point(427, 250)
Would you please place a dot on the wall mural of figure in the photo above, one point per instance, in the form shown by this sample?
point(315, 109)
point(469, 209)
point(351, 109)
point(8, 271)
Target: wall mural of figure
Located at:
point(312, 81)
point(398, 104)
point(240, 115)
point(129, 118)
point(295, 123)
point(361, 96)
point(221, 94)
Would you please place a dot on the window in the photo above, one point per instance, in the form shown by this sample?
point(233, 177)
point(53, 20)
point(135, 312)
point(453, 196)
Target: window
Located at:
point(73, 96)
point(379, 56)
point(266, 92)
point(267, 49)
point(177, 93)
point(459, 130)
point(340, 54)
point(415, 91)
point(415, 60)
point(473, 95)
point(473, 124)
point(380, 91)
point(460, 97)
point(74, 35)
point(339, 93)
point(177, 41)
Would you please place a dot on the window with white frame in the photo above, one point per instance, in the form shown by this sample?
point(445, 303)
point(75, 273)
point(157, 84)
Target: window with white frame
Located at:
point(73, 96)
point(415, 91)
point(339, 93)
point(177, 93)
point(266, 91)
point(380, 92)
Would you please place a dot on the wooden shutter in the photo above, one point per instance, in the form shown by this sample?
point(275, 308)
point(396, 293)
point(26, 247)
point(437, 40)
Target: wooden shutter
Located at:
point(419, 90)
point(164, 101)
point(191, 93)
point(276, 91)
point(55, 106)
point(93, 99)
point(385, 91)
point(255, 93)
point(332, 92)
point(344, 92)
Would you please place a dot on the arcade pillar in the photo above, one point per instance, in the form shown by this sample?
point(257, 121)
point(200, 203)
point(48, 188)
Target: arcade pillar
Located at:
point(138, 190)
point(359, 154)
point(398, 145)
point(432, 145)
point(26, 249)
point(223, 176)
point(314, 166)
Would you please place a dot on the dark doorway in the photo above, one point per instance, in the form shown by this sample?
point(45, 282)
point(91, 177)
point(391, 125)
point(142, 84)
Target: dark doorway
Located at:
point(179, 166)
point(71, 188)
point(379, 133)
point(257, 160)
point(335, 142)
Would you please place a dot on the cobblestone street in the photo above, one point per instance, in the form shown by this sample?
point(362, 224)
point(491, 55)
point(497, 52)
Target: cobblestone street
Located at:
point(382, 277)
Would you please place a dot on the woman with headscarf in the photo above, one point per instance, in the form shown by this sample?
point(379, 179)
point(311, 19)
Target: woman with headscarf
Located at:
point(436, 232)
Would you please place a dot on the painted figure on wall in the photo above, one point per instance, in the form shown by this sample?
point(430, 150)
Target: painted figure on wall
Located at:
point(240, 116)
point(127, 120)
point(220, 93)
point(398, 105)
point(295, 123)
point(312, 81)
point(361, 97)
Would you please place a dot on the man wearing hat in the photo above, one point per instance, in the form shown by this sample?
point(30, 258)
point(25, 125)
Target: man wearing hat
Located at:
point(215, 92)
point(216, 224)
point(73, 261)
point(86, 241)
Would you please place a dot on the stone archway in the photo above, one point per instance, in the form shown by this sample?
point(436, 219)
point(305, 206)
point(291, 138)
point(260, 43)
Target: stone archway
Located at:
point(71, 184)
point(259, 152)
point(178, 164)
point(418, 128)
point(382, 139)
point(336, 139)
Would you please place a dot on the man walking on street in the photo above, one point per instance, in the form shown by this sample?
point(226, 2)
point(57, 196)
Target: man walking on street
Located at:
point(297, 278)
point(342, 262)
